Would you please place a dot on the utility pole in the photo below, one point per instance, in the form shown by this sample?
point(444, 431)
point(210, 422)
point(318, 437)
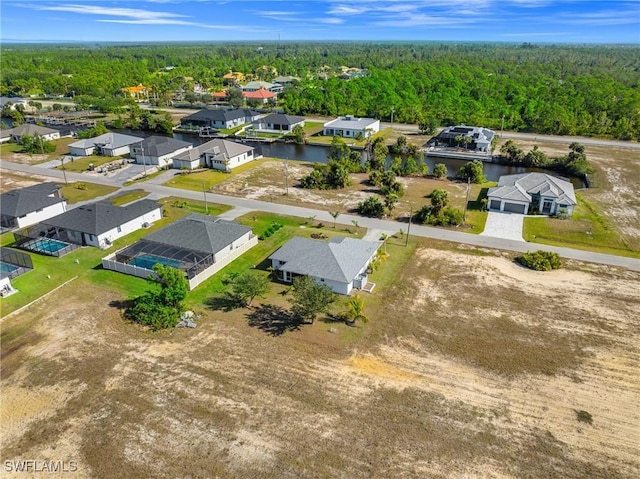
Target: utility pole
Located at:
point(406, 241)
point(466, 202)
point(64, 173)
point(204, 193)
point(502, 129)
point(286, 177)
point(392, 110)
point(144, 163)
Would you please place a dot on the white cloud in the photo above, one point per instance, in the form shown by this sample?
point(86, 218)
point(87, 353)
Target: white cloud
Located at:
point(331, 20)
point(133, 13)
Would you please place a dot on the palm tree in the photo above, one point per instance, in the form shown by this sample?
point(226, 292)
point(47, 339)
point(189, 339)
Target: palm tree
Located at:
point(335, 215)
point(384, 238)
point(356, 224)
point(355, 311)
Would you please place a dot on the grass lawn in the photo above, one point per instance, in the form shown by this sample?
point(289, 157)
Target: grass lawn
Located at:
point(128, 197)
point(194, 181)
point(80, 165)
point(76, 192)
point(10, 147)
point(587, 229)
point(232, 131)
point(50, 272)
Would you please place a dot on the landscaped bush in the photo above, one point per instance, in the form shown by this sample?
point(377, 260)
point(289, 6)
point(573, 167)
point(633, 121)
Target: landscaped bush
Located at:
point(540, 260)
point(269, 231)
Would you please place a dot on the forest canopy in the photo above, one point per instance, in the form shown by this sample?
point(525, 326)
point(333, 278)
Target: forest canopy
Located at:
point(554, 89)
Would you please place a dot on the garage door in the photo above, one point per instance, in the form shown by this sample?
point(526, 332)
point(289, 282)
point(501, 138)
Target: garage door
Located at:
point(495, 204)
point(514, 208)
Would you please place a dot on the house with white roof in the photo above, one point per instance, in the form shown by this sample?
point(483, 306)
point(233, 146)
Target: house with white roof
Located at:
point(109, 144)
point(340, 264)
point(351, 127)
point(218, 154)
point(472, 137)
point(539, 192)
point(278, 123)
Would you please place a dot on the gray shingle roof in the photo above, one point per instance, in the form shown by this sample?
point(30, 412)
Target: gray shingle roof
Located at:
point(162, 145)
point(522, 186)
point(215, 115)
point(200, 233)
point(31, 129)
point(111, 140)
point(338, 260)
point(100, 217)
point(26, 200)
point(229, 149)
point(280, 119)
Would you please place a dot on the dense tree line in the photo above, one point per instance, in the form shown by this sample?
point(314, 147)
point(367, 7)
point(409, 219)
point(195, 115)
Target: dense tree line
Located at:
point(584, 90)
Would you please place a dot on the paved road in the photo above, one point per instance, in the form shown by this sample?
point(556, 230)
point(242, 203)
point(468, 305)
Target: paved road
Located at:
point(159, 191)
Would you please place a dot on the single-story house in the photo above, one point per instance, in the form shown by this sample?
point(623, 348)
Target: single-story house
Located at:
point(277, 123)
point(12, 102)
point(30, 129)
point(139, 92)
point(285, 80)
point(109, 144)
point(218, 154)
point(232, 78)
point(5, 136)
point(158, 150)
point(262, 85)
point(351, 127)
point(96, 224)
point(341, 264)
point(261, 95)
point(546, 194)
point(476, 138)
point(199, 245)
point(27, 206)
point(222, 119)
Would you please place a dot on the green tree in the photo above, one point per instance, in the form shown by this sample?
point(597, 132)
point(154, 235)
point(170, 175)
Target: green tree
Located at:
point(474, 171)
point(440, 170)
point(355, 311)
point(161, 308)
point(298, 135)
point(372, 206)
point(339, 149)
point(439, 199)
point(334, 215)
point(235, 98)
point(427, 125)
point(247, 285)
point(310, 298)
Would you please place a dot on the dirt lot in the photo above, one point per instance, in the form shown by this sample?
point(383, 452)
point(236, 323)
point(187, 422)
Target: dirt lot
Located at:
point(470, 366)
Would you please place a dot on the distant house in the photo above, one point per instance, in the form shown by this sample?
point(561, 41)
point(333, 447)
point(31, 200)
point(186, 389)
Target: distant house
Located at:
point(351, 127)
point(470, 137)
point(96, 224)
point(545, 194)
point(109, 144)
point(30, 129)
point(27, 206)
point(341, 264)
point(285, 80)
point(12, 102)
point(278, 123)
point(262, 95)
point(218, 154)
point(262, 85)
point(139, 92)
point(232, 78)
point(221, 119)
point(5, 136)
point(158, 150)
point(199, 245)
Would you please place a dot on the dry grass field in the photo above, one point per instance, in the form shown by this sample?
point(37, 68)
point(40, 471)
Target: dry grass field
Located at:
point(469, 366)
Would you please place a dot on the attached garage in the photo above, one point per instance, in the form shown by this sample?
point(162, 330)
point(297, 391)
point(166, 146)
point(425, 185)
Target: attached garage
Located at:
point(514, 208)
point(495, 204)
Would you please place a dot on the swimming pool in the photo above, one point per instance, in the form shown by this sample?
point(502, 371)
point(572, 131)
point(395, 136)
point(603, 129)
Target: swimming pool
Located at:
point(48, 245)
point(7, 267)
point(148, 261)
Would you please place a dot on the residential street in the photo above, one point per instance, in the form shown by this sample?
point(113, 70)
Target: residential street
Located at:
point(159, 191)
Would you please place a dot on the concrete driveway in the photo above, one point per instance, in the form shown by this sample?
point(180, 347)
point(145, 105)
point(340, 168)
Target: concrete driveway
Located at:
point(504, 225)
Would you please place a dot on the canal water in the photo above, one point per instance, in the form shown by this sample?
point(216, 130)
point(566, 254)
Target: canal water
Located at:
point(319, 154)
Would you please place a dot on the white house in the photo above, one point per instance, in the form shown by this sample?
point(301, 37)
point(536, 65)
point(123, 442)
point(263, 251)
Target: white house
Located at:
point(546, 194)
point(31, 205)
point(351, 127)
point(218, 154)
point(30, 129)
point(278, 123)
point(98, 224)
point(109, 144)
point(341, 264)
point(158, 150)
point(199, 245)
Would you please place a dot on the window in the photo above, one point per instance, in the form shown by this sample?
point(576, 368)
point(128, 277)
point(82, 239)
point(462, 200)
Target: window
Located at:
point(119, 229)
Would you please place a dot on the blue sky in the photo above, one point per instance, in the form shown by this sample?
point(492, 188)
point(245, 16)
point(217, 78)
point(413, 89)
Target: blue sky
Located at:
point(558, 21)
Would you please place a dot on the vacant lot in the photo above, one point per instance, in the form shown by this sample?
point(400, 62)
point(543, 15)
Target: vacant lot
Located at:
point(470, 366)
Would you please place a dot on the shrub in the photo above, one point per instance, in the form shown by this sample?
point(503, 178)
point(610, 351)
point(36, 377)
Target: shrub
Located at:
point(584, 416)
point(540, 260)
point(372, 206)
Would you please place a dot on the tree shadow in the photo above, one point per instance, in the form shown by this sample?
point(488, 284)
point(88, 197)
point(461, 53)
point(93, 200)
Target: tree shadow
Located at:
point(122, 304)
point(222, 303)
point(273, 320)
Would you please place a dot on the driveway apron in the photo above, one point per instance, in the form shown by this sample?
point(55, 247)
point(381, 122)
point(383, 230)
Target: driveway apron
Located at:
point(504, 225)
